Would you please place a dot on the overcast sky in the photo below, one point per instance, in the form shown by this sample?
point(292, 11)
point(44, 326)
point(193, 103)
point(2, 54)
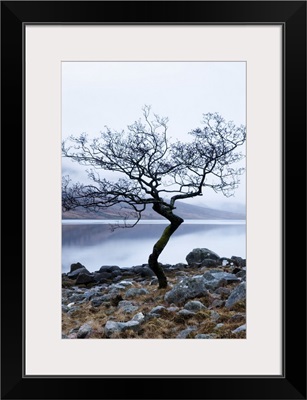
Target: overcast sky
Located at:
point(96, 94)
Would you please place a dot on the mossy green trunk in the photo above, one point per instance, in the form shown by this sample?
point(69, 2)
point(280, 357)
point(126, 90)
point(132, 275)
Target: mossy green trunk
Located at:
point(153, 263)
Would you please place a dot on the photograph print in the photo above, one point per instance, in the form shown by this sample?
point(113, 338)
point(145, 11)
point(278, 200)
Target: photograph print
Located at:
point(154, 200)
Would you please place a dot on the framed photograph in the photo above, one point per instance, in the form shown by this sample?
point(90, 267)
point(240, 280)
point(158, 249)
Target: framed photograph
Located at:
point(160, 152)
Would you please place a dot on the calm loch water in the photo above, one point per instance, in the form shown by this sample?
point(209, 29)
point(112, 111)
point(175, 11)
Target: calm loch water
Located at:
point(95, 243)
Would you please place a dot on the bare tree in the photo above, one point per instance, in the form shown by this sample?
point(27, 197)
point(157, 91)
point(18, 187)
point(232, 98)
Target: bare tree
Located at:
point(152, 171)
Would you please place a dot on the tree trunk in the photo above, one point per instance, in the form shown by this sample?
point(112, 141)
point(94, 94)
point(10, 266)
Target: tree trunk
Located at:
point(153, 263)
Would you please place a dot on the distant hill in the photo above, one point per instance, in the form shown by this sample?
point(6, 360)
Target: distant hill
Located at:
point(184, 210)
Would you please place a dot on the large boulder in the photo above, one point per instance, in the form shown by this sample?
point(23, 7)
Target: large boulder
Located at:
point(84, 278)
point(200, 255)
point(237, 295)
point(111, 269)
point(76, 272)
point(76, 266)
point(188, 288)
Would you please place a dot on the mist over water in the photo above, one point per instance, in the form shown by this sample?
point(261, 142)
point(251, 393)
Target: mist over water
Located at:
point(96, 244)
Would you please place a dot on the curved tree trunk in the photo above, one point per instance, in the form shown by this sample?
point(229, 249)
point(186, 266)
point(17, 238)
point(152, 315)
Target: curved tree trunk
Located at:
point(153, 263)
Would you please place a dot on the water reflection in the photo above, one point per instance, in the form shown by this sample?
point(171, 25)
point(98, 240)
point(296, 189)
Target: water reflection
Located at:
point(96, 245)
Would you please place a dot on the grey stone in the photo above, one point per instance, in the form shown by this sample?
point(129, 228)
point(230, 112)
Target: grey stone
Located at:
point(112, 327)
point(241, 328)
point(139, 317)
point(238, 261)
point(84, 278)
point(229, 278)
point(188, 288)
point(109, 268)
point(127, 307)
point(238, 294)
point(209, 263)
point(219, 326)
point(194, 305)
point(74, 274)
point(217, 303)
point(237, 317)
point(172, 309)
point(157, 310)
point(84, 331)
point(215, 316)
point(75, 267)
point(125, 283)
point(183, 334)
point(102, 276)
point(65, 309)
point(204, 336)
point(198, 255)
point(186, 313)
point(223, 290)
point(179, 266)
point(133, 292)
point(76, 298)
point(241, 274)
point(97, 301)
point(147, 272)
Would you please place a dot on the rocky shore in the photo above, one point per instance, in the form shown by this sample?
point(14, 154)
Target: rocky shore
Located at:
point(205, 299)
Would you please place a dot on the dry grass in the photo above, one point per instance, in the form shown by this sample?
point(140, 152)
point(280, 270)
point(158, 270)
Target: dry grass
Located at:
point(166, 326)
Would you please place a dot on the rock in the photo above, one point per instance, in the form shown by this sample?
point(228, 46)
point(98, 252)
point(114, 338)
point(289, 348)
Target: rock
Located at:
point(76, 266)
point(183, 334)
point(84, 331)
point(237, 317)
point(109, 268)
point(219, 326)
point(217, 303)
point(127, 307)
point(223, 291)
point(197, 256)
point(102, 276)
point(213, 280)
point(77, 298)
point(157, 310)
point(147, 272)
point(188, 288)
point(238, 261)
point(229, 278)
point(65, 309)
point(139, 317)
point(241, 328)
point(241, 273)
point(209, 263)
point(238, 294)
point(172, 309)
point(179, 267)
point(97, 301)
point(77, 272)
point(194, 305)
point(204, 336)
point(112, 327)
point(84, 278)
point(215, 316)
point(133, 292)
point(186, 313)
point(115, 299)
point(125, 283)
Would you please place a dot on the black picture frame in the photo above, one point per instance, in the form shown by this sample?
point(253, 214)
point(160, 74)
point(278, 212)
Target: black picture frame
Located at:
point(292, 16)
